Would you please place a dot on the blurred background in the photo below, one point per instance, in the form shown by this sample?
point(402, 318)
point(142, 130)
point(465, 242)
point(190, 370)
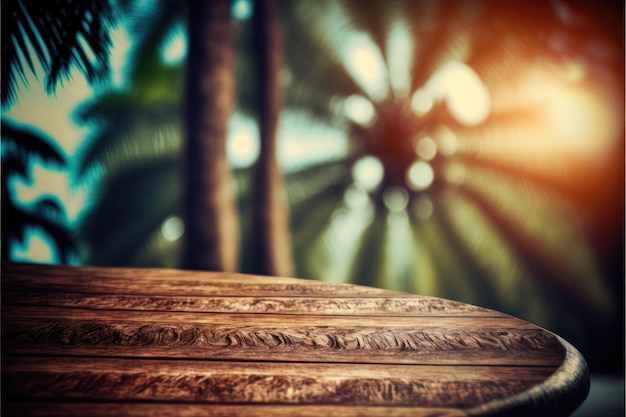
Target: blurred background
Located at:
point(471, 150)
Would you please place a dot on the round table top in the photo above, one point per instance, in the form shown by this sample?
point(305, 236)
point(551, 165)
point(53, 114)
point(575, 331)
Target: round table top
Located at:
point(119, 341)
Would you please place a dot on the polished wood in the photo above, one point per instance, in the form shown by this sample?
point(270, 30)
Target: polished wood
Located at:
point(117, 341)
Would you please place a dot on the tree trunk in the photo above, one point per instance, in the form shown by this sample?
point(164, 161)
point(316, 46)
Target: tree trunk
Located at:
point(211, 236)
point(271, 238)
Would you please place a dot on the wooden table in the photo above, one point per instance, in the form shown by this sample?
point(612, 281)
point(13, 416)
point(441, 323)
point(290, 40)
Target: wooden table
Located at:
point(149, 342)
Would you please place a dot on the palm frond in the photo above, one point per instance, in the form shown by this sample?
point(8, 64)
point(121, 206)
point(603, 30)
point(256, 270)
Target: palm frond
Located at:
point(14, 165)
point(149, 191)
point(132, 134)
point(313, 82)
point(61, 33)
point(46, 215)
point(26, 143)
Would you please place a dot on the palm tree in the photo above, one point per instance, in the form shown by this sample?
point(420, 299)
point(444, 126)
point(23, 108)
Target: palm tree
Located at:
point(270, 235)
point(211, 236)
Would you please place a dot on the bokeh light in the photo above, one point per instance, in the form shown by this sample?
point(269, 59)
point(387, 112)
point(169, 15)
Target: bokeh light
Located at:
point(420, 175)
point(172, 228)
point(174, 51)
point(423, 207)
point(447, 142)
point(422, 102)
point(462, 89)
point(426, 148)
point(355, 196)
point(395, 198)
point(242, 143)
point(368, 172)
point(242, 9)
point(360, 110)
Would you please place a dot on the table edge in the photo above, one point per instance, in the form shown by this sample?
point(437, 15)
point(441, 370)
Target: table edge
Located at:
point(559, 395)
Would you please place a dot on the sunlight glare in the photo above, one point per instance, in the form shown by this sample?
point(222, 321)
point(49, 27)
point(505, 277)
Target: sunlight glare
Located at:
point(368, 172)
point(420, 176)
point(365, 64)
point(583, 121)
point(360, 110)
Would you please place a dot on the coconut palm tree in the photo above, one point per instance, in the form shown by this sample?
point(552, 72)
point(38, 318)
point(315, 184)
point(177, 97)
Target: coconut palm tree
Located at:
point(211, 236)
point(269, 228)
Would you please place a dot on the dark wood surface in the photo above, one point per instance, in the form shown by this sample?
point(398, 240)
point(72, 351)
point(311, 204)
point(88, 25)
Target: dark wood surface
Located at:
point(137, 342)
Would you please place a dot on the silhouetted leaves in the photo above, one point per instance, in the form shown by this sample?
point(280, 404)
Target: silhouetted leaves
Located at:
point(21, 147)
point(61, 34)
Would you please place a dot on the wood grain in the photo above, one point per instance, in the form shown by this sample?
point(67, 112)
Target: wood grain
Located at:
point(114, 341)
point(310, 341)
point(263, 382)
point(363, 306)
point(161, 282)
point(56, 409)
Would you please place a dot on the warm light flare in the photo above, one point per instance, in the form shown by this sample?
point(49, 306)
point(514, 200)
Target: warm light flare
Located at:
point(583, 121)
